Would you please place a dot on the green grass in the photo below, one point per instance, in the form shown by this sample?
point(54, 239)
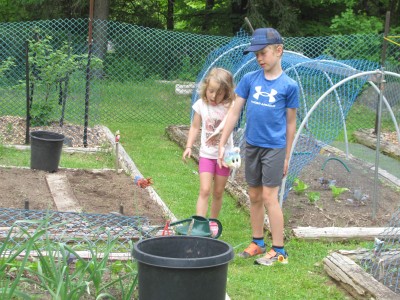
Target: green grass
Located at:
point(97, 160)
point(177, 183)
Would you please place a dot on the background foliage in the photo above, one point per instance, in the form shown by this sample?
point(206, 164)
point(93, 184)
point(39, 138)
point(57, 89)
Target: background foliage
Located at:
point(224, 17)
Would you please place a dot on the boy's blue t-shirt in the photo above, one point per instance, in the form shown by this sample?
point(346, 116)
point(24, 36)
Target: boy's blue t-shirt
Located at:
point(266, 104)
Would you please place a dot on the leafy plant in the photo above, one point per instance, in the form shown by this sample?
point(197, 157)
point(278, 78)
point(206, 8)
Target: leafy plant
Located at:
point(59, 270)
point(337, 191)
point(9, 288)
point(313, 196)
point(50, 69)
point(300, 186)
point(6, 65)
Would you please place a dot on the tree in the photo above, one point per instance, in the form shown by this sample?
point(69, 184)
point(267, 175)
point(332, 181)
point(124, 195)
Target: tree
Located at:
point(207, 11)
point(344, 24)
point(100, 40)
point(170, 15)
point(222, 17)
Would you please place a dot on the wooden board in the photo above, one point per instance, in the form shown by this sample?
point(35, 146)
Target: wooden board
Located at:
point(61, 191)
point(355, 280)
point(340, 233)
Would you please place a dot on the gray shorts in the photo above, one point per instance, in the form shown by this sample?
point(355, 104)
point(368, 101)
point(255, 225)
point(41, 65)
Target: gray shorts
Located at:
point(264, 166)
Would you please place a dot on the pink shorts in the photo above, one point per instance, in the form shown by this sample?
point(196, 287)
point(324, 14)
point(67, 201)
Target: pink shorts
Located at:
point(211, 166)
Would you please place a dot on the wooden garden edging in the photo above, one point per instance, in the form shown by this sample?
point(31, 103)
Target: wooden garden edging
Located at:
point(129, 166)
point(355, 280)
point(368, 138)
point(339, 233)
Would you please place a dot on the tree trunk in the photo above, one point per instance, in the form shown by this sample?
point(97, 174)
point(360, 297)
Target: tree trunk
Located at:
point(394, 8)
point(170, 15)
point(100, 39)
point(239, 10)
point(207, 11)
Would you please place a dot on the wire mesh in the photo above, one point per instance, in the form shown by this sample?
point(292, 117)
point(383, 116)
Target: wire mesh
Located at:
point(383, 262)
point(79, 229)
point(151, 76)
point(141, 71)
point(325, 69)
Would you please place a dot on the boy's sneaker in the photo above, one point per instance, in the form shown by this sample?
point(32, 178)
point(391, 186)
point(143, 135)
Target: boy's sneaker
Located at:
point(213, 228)
point(271, 257)
point(252, 250)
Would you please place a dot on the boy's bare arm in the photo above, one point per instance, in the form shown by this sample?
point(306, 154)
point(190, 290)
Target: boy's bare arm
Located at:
point(290, 132)
point(231, 120)
point(219, 129)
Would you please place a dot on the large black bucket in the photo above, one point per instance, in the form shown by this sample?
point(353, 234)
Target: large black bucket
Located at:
point(46, 149)
point(182, 267)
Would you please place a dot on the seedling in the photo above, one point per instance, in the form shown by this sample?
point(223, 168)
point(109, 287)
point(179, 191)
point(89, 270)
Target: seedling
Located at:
point(300, 186)
point(337, 191)
point(313, 196)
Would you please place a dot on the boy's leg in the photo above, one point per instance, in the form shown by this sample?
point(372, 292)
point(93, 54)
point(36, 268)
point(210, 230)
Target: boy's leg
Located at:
point(275, 215)
point(257, 212)
point(253, 172)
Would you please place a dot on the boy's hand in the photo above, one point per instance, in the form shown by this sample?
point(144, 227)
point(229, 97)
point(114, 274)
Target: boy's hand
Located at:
point(285, 167)
point(221, 153)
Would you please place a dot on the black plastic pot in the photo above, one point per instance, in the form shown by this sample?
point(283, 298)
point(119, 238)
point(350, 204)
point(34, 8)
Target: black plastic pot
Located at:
point(46, 149)
point(182, 267)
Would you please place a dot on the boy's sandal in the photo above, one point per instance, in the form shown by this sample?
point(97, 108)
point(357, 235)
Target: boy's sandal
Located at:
point(272, 257)
point(252, 250)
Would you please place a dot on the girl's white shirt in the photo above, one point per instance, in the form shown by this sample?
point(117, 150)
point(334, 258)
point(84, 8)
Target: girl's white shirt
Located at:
point(211, 118)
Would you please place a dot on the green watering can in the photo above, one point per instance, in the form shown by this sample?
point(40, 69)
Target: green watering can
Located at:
point(197, 226)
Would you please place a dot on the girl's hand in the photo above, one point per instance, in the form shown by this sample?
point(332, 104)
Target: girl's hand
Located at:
point(186, 154)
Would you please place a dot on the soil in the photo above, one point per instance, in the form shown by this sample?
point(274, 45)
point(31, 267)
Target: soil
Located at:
point(105, 192)
point(355, 207)
point(102, 192)
point(96, 192)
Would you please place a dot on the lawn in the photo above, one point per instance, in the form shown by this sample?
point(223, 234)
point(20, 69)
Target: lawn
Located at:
point(177, 184)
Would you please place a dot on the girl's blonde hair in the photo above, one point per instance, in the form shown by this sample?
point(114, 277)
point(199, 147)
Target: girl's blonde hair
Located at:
point(226, 85)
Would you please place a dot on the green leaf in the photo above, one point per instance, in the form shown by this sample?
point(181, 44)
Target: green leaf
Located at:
point(313, 196)
point(300, 186)
point(337, 191)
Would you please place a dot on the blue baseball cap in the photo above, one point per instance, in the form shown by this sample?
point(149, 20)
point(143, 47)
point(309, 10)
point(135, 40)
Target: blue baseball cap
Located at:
point(263, 37)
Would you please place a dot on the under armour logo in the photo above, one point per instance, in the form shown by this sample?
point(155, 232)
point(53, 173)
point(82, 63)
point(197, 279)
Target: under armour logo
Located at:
point(265, 94)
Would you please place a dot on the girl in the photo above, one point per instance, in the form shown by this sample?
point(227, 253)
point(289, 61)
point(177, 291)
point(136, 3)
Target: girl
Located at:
point(217, 94)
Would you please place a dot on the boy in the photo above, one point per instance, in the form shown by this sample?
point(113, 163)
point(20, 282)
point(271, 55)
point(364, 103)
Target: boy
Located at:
point(271, 99)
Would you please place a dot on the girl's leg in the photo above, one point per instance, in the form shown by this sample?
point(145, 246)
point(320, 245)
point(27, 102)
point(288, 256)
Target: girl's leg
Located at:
point(218, 193)
point(205, 190)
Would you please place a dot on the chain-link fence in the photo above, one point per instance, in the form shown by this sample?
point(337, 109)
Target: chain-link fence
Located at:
point(138, 73)
point(133, 72)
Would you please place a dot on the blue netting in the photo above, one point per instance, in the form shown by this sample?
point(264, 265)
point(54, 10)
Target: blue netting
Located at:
point(315, 76)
